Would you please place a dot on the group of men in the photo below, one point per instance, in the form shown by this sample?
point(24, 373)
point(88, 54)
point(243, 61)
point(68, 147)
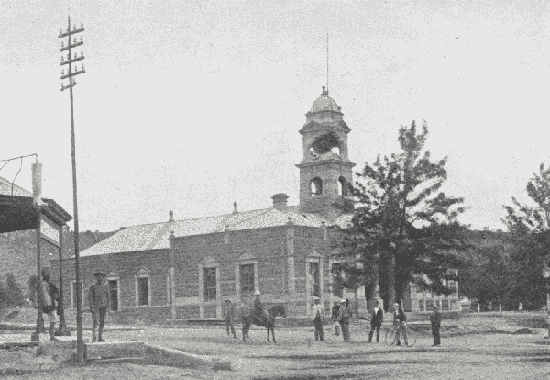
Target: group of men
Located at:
point(99, 300)
point(341, 315)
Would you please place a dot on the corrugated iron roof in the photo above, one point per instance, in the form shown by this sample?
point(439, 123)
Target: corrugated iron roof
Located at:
point(157, 236)
point(5, 189)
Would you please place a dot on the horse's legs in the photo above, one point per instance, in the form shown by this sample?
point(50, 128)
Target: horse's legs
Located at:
point(267, 332)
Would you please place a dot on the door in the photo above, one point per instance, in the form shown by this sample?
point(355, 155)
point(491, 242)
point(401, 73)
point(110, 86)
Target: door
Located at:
point(113, 289)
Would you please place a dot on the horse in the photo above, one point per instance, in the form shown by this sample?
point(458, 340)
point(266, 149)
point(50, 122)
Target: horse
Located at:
point(248, 318)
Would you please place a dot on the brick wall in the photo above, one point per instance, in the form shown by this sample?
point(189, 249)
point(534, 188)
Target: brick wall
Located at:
point(125, 265)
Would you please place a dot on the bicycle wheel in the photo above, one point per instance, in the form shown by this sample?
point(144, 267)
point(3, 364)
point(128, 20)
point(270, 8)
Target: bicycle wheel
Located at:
point(390, 337)
point(411, 337)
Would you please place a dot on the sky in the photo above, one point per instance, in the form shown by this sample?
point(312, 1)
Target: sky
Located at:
point(192, 105)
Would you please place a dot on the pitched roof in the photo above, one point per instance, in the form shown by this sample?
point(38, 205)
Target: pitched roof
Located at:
point(157, 235)
point(6, 187)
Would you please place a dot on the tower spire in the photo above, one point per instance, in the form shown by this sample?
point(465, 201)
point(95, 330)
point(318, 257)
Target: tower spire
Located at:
point(327, 63)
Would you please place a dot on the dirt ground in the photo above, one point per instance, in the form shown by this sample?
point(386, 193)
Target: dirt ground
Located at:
point(477, 346)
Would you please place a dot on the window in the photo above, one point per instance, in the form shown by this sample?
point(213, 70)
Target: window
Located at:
point(445, 304)
point(452, 285)
point(247, 279)
point(429, 304)
point(453, 304)
point(337, 280)
point(314, 279)
point(316, 186)
point(143, 291)
point(143, 286)
point(438, 304)
point(421, 305)
point(209, 283)
point(342, 187)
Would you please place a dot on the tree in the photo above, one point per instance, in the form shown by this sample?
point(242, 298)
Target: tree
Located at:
point(403, 224)
point(486, 276)
point(530, 230)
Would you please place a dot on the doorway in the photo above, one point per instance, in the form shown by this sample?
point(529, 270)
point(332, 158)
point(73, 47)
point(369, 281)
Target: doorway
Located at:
point(113, 290)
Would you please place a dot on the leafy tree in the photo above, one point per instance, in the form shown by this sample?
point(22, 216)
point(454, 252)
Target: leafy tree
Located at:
point(485, 276)
point(530, 230)
point(403, 224)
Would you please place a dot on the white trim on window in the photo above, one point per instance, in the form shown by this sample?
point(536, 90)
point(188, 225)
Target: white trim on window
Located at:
point(110, 277)
point(143, 273)
point(247, 260)
point(317, 259)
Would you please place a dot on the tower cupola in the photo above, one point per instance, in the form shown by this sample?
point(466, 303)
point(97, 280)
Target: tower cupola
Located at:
point(325, 170)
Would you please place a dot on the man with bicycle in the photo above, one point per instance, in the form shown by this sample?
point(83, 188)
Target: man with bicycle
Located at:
point(400, 320)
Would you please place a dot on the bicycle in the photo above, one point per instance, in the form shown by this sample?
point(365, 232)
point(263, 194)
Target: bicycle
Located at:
point(390, 334)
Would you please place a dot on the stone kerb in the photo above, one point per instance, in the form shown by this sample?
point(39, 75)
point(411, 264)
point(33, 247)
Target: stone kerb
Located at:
point(169, 357)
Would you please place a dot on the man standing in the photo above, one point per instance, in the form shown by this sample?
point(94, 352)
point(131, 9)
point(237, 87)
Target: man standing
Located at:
point(399, 320)
point(436, 325)
point(48, 301)
point(343, 318)
point(228, 311)
point(335, 313)
point(318, 314)
point(99, 299)
point(377, 316)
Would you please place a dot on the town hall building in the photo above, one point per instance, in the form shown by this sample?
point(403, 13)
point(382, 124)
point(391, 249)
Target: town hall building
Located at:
point(186, 269)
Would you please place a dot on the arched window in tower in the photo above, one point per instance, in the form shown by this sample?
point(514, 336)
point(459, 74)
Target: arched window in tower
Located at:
point(316, 186)
point(342, 187)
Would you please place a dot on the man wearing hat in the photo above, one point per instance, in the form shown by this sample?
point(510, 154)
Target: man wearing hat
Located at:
point(343, 318)
point(377, 316)
point(399, 320)
point(318, 314)
point(259, 310)
point(48, 300)
point(435, 318)
point(99, 299)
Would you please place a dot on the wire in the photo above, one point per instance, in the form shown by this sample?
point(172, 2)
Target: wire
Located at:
point(15, 158)
point(13, 183)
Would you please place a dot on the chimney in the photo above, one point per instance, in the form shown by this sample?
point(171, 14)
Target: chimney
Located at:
point(171, 216)
point(235, 208)
point(279, 201)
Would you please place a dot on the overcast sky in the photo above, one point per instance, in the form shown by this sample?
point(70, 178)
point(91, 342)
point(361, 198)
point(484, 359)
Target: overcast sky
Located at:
point(189, 106)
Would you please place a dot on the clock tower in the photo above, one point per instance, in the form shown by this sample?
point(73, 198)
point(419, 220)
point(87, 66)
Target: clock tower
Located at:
point(325, 170)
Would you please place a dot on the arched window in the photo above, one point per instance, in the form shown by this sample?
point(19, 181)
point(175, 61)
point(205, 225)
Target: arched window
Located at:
point(342, 186)
point(316, 186)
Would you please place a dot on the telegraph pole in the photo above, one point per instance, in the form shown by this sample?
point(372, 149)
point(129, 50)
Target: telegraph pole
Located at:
point(70, 60)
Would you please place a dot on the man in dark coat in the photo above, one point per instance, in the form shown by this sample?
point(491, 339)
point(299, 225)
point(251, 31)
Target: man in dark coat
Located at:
point(377, 316)
point(335, 313)
point(436, 325)
point(99, 299)
point(399, 320)
point(344, 314)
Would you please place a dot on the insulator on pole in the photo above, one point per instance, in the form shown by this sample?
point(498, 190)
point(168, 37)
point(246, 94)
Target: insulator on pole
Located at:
point(81, 25)
point(80, 38)
point(62, 72)
point(60, 31)
point(74, 26)
point(62, 85)
point(62, 59)
point(62, 44)
point(82, 54)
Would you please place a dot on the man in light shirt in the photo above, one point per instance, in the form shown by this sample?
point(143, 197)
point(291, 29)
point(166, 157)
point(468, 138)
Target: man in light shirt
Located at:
point(318, 315)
